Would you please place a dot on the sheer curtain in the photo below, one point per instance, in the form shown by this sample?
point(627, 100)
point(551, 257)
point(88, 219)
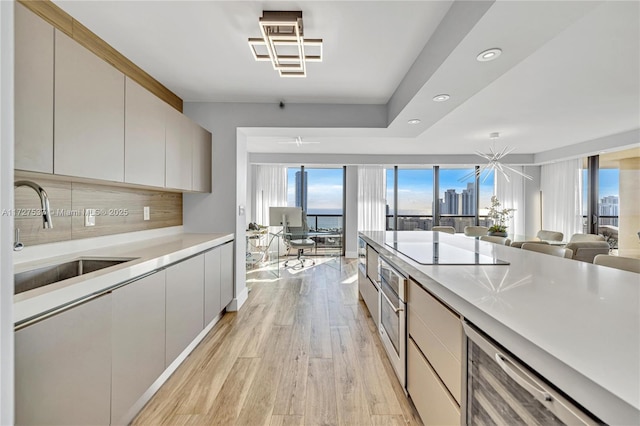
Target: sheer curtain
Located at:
point(371, 198)
point(270, 190)
point(561, 185)
point(511, 196)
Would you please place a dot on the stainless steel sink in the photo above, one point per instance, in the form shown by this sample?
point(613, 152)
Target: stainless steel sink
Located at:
point(40, 277)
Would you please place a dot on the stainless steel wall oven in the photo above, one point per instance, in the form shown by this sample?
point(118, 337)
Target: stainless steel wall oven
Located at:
point(393, 316)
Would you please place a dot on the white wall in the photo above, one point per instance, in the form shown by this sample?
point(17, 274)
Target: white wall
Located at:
point(6, 221)
point(218, 211)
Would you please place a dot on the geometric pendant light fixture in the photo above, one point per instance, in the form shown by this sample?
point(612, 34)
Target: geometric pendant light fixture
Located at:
point(494, 165)
point(284, 45)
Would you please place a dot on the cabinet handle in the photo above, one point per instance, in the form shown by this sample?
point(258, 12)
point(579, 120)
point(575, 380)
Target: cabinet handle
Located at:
point(395, 310)
point(532, 387)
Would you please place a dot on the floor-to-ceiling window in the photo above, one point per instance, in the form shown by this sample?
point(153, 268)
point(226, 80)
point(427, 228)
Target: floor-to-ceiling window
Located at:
point(320, 193)
point(415, 199)
point(457, 198)
point(411, 204)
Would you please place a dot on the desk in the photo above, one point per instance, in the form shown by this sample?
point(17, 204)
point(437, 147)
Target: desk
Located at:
point(263, 251)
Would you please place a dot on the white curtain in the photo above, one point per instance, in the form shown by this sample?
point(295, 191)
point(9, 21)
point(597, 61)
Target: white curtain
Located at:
point(511, 196)
point(371, 198)
point(270, 190)
point(561, 185)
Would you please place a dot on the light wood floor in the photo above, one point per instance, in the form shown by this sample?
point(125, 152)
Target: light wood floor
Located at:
point(303, 350)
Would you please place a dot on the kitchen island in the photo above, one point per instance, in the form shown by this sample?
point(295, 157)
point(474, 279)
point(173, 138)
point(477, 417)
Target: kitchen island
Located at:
point(576, 324)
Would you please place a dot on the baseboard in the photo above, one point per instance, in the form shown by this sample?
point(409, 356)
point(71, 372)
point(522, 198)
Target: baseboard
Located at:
point(351, 254)
point(146, 397)
point(238, 301)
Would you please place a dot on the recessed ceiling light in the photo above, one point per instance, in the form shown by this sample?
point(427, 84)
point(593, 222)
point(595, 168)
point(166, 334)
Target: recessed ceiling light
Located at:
point(441, 98)
point(414, 121)
point(489, 55)
point(494, 135)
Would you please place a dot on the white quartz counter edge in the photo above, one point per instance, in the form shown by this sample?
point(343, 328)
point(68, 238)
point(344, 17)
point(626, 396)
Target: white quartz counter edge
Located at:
point(602, 402)
point(151, 254)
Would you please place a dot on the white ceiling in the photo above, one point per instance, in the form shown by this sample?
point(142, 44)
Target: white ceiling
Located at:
point(569, 72)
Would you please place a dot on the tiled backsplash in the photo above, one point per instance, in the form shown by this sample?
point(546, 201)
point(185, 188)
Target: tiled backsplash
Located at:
point(118, 210)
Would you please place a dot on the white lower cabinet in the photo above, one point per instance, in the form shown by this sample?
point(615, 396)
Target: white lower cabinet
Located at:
point(212, 276)
point(184, 306)
point(138, 342)
point(63, 367)
point(226, 274)
point(431, 398)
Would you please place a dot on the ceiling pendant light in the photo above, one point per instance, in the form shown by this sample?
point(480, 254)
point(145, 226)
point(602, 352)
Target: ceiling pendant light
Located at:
point(494, 164)
point(283, 43)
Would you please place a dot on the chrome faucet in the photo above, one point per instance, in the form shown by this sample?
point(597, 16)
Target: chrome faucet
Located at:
point(44, 201)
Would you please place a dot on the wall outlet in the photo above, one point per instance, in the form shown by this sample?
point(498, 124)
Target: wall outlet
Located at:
point(146, 212)
point(90, 217)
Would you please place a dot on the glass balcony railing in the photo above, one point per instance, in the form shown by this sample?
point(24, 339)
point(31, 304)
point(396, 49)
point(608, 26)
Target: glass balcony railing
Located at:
point(425, 222)
point(330, 223)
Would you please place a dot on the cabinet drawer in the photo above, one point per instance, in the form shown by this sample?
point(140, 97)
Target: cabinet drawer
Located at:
point(438, 333)
point(369, 294)
point(433, 402)
point(372, 263)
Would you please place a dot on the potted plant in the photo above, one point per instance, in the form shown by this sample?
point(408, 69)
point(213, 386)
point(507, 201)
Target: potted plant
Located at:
point(500, 218)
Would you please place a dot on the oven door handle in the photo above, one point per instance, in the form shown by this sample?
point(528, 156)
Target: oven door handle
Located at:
point(395, 310)
point(534, 388)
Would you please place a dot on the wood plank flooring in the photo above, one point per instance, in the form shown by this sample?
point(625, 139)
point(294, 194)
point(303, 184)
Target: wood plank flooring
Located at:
point(303, 350)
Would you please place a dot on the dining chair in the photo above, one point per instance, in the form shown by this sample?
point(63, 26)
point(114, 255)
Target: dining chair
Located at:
point(447, 229)
point(630, 264)
point(518, 244)
point(475, 231)
point(579, 238)
point(548, 249)
point(544, 235)
point(497, 240)
point(586, 251)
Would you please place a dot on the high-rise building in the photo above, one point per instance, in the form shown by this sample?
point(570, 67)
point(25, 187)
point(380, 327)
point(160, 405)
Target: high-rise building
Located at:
point(450, 205)
point(301, 193)
point(468, 198)
point(609, 206)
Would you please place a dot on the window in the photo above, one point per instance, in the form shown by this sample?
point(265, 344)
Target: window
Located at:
point(415, 199)
point(457, 198)
point(391, 206)
point(487, 190)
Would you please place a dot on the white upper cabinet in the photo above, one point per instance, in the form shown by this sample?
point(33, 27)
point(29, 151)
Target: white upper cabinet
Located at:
point(33, 92)
point(144, 136)
point(201, 159)
point(178, 144)
point(89, 114)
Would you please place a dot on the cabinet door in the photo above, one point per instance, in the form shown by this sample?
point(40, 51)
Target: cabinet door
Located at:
point(89, 114)
point(178, 171)
point(201, 159)
point(185, 305)
point(33, 92)
point(212, 290)
point(138, 342)
point(63, 367)
point(226, 274)
point(144, 132)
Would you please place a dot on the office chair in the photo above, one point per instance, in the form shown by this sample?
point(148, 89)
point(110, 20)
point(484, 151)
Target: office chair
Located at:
point(296, 238)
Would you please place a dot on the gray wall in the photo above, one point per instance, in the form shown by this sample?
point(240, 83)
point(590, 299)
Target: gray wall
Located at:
point(351, 213)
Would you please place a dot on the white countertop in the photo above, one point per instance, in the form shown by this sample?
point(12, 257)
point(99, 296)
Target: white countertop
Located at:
point(150, 254)
point(575, 323)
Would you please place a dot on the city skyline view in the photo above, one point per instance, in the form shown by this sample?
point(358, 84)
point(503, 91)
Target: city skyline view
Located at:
point(415, 193)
